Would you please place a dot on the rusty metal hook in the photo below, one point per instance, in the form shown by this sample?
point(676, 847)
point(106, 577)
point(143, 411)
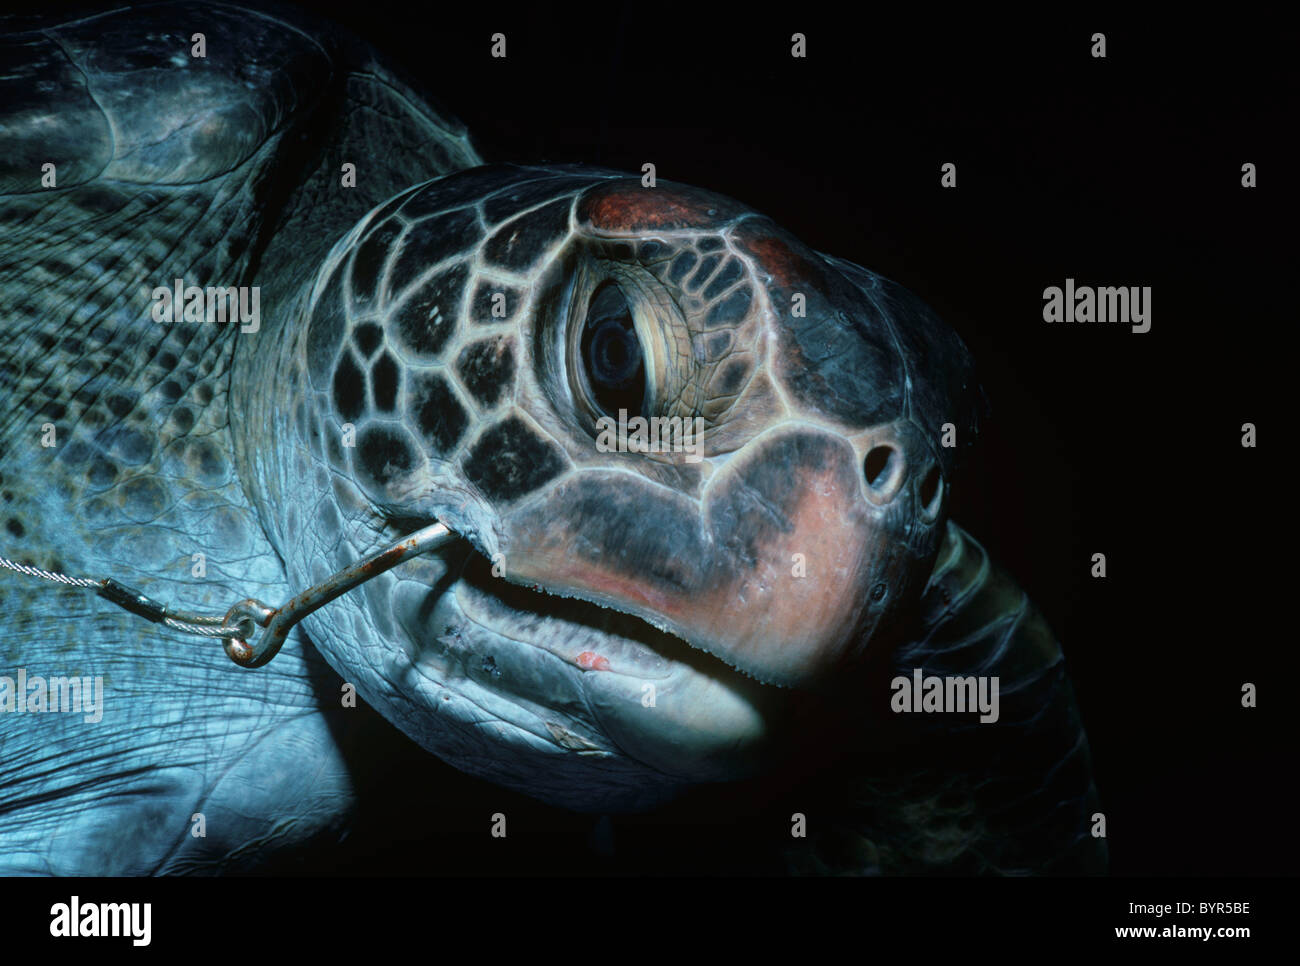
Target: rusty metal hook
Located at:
point(277, 623)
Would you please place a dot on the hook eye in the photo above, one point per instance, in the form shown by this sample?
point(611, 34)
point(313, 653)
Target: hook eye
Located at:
point(247, 616)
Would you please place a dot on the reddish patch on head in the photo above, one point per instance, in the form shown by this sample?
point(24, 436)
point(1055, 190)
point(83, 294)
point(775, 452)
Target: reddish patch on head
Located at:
point(624, 207)
point(774, 254)
point(591, 661)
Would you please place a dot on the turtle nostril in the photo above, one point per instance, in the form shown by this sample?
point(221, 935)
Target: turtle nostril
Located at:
point(878, 466)
point(931, 493)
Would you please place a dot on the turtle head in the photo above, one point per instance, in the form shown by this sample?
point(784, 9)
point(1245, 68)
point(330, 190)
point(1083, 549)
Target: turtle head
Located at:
point(788, 531)
point(655, 416)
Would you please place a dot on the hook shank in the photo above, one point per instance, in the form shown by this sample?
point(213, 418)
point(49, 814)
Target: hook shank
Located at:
point(279, 622)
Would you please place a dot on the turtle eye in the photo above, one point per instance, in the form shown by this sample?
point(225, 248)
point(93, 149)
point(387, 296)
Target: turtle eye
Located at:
point(612, 357)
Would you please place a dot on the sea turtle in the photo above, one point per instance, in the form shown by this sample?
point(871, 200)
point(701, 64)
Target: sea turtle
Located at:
point(427, 338)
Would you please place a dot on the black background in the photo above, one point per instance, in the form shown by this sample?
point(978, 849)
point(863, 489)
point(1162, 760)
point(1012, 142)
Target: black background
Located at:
point(1122, 171)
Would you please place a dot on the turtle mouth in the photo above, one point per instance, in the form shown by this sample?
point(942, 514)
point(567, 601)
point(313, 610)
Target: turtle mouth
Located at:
point(589, 678)
point(619, 642)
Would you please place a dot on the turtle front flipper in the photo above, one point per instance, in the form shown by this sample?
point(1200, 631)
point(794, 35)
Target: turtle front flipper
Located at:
point(1003, 790)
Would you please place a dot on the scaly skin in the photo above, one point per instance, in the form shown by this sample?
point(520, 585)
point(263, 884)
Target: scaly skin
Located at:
point(141, 476)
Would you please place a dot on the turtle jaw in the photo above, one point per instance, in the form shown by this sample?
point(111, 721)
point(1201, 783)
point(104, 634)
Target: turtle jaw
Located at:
point(784, 570)
point(609, 689)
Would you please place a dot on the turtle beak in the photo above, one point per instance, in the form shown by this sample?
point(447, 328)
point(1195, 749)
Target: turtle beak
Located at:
point(785, 570)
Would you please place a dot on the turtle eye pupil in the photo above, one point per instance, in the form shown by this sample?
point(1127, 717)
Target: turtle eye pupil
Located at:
point(611, 354)
point(614, 354)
